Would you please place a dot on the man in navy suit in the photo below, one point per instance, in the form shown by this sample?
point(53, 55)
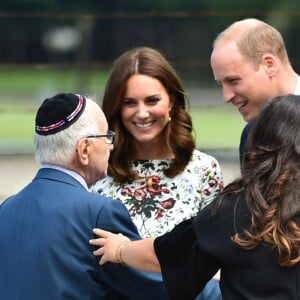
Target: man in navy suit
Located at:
point(45, 228)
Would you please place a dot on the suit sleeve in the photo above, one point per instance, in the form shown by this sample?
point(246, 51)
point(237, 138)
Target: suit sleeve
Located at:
point(129, 283)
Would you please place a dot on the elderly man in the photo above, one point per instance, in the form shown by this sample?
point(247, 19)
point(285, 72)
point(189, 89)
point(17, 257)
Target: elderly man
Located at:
point(45, 228)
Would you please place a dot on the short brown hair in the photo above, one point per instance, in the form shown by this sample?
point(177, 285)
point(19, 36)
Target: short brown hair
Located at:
point(254, 38)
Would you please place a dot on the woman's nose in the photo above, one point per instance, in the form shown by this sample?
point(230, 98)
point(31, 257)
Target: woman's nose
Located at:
point(144, 114)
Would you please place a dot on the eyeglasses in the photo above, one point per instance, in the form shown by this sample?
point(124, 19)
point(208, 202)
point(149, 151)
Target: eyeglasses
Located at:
point(110, 136)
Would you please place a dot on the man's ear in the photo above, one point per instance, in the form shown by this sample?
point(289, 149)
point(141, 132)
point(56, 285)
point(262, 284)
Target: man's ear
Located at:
point(270, 64)
point(83, 150)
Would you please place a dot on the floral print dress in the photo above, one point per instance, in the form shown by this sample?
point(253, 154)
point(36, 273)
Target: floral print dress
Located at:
point(157, 203)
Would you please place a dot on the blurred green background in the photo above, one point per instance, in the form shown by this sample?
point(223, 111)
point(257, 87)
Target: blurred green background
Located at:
point(54, 46)
point(216, 126)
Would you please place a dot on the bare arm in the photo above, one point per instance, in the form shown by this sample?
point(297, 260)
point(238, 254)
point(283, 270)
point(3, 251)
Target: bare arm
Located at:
point(117, 248)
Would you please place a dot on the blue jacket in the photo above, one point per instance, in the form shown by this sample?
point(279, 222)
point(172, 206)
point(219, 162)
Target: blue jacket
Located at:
point(243, 140)
point(44, 248)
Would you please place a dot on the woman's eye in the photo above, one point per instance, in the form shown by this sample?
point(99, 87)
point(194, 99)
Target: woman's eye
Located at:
point(128, 102)
point(153, 100)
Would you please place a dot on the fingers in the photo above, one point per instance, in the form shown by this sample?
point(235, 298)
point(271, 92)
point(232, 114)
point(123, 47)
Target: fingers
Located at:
point(102, 261)
point(101, 233)
point(109, 243)
point(98, 242)
point(99, 251)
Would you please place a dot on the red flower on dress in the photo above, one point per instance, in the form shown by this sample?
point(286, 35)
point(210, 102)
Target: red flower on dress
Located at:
point(154, 189)
point(140, 194)
point(206, 192)
point(214, 164)
point(153, 185)
point(152, 180)
point(126, 192)
point(212, 182)
point(159, 214)
point(167, 204)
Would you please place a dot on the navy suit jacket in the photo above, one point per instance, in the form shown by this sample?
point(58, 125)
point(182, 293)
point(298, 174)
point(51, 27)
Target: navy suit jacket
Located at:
point(44, 248)
point(243, 140)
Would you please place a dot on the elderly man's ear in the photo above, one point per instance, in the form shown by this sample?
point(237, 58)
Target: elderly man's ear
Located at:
point(83, 151)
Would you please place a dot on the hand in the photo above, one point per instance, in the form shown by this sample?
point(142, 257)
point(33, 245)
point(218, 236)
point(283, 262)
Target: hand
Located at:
point(109, 244)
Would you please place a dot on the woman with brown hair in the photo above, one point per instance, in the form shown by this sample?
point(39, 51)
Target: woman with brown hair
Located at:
point(154, 169)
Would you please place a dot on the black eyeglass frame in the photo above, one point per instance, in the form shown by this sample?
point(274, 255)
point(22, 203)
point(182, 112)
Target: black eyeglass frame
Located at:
point(110, 136)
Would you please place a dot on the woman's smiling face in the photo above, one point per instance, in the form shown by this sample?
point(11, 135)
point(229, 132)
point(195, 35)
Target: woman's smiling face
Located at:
point(145, 109)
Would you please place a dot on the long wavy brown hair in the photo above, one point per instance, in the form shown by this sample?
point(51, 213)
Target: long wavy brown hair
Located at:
point(178, 132)
point(270, 182)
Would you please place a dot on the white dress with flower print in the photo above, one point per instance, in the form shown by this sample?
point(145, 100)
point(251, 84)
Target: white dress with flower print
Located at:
point(157, 203)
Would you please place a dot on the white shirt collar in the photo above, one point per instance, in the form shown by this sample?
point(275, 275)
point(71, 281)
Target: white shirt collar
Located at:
point(75, 175)
point(297, 88)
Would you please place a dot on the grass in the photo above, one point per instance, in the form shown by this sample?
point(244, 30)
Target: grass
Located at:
point(216, 127)
point(30, 80)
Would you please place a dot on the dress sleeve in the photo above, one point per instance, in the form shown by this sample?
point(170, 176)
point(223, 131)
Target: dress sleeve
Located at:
point(185, 267)
point(210, 177)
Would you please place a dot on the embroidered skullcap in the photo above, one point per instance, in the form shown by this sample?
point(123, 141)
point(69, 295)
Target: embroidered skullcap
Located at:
point(58, 112)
